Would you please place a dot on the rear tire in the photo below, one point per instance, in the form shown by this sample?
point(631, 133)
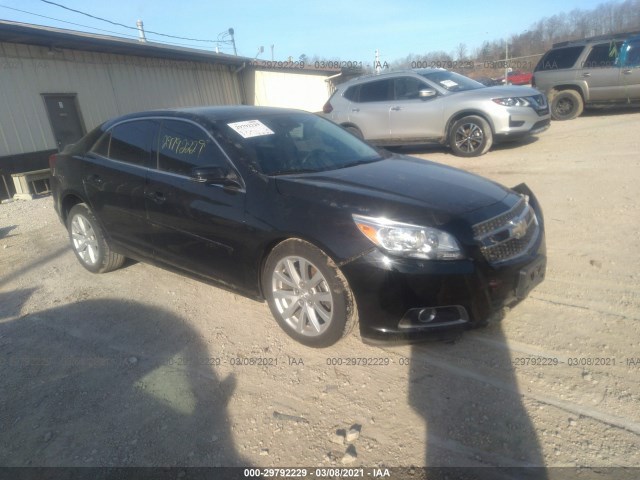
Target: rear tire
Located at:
point(470, 136)
point(566, 104)
point(89, 243)
point(307, 294)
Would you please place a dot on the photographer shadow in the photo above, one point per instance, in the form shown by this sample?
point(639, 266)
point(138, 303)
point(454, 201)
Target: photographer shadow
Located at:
point(477, 425)
point(111, 383)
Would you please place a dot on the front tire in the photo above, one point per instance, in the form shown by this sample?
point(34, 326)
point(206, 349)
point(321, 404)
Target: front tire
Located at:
point(566, 105)
point(307, 294)
point(470, 136)
point(88, 241)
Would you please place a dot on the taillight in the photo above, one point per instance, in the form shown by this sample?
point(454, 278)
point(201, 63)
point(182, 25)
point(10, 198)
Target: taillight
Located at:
point(327, 108)
point(52, 161)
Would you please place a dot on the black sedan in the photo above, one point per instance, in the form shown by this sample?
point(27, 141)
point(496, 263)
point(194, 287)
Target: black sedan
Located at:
point(286, 206)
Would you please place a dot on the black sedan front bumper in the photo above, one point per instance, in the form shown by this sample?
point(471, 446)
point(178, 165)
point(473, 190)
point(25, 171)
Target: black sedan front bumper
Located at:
point(411, 297)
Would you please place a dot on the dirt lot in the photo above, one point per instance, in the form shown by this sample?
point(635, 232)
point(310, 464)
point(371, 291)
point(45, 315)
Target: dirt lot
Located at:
point(145, 367)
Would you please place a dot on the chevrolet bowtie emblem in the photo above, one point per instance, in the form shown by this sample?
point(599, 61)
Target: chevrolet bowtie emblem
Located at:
point(518, 229)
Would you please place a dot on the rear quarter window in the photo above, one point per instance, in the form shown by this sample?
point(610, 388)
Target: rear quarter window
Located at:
point(352, 93)
point(559, 58)
point(102, 145)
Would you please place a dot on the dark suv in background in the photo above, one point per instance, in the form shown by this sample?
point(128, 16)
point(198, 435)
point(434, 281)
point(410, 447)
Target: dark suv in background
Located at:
point(594, 71)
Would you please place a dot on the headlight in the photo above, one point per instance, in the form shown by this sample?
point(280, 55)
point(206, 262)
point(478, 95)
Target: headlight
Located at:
point(409, 240)
point(512, 102)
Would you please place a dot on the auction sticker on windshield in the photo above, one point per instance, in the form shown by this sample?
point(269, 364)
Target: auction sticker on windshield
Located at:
point(448, 83)
point(251, 128)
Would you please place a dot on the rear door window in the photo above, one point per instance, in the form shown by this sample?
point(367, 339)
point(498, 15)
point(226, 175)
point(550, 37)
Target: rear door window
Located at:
point(377, 91)
point(131, 141)
point(603, 55)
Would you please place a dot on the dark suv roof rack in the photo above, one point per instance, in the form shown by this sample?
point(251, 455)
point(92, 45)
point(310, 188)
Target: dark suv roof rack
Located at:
point(610, 36)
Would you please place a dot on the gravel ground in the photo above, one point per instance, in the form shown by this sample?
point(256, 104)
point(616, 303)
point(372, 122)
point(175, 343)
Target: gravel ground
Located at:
point(144, 367)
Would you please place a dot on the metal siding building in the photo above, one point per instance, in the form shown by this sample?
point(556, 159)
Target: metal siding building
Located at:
point(100, 77)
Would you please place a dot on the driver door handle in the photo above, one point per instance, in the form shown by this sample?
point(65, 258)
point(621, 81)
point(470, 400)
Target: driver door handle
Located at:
point(396, 108)
point(586, 74)
point(355, 109)
point(627, 71)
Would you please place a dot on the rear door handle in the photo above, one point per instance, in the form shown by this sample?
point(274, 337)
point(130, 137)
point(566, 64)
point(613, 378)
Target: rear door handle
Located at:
point(586, 74)
point(627, 72)
point(395, 108)
point(157, 197)
point(355, 109)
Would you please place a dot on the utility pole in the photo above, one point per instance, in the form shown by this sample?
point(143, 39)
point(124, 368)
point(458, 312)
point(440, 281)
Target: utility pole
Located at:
point(376, 63)
point(233, 42)
point(506, 64)
point(272, 52)
point(141, 37)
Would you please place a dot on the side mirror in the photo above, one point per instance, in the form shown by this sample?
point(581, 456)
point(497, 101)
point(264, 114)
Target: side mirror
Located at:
point(216, 176)
point(426, 93)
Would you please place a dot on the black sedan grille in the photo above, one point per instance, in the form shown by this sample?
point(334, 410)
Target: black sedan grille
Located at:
point(495, 223)
point(508, 235)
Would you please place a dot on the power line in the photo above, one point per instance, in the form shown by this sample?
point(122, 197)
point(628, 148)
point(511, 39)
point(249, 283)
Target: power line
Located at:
point(127, 26)
point(65, 21)
point(96, 28)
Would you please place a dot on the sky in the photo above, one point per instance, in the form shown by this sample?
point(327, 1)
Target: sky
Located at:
point(349, 30)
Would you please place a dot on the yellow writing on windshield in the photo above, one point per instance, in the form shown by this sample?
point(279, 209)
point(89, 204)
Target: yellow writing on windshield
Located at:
point(183, 146)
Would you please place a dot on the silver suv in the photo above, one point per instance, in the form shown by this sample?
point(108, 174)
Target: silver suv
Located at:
point(435, 105)
point(596, 70)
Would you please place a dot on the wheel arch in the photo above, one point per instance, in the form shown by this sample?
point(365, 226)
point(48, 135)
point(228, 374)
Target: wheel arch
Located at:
point(569, 86)
point(68, 201)
point(268, 247)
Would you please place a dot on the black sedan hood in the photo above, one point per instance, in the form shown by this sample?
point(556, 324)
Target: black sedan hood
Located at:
point(401, 179)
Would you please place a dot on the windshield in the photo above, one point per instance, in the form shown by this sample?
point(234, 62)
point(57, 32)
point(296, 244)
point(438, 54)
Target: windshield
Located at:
point(451, 81)
point(285, 143)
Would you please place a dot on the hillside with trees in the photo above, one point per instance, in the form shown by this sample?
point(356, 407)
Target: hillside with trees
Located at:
point(607, 18)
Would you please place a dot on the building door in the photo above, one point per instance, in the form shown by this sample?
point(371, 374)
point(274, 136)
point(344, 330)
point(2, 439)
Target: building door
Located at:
point(64, 118)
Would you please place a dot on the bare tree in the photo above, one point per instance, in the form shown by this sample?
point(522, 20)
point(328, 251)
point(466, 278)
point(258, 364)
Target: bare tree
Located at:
point(461, 51)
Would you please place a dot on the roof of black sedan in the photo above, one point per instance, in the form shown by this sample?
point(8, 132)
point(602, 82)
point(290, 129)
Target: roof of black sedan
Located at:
point(212, 113)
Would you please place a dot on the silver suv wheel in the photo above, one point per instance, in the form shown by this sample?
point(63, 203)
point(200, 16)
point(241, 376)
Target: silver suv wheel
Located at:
point(470, 136)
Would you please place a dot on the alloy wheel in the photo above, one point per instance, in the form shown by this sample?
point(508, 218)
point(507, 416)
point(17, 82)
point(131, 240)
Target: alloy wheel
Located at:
point(469, 137)
point(84, 239)
point(302, 296)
